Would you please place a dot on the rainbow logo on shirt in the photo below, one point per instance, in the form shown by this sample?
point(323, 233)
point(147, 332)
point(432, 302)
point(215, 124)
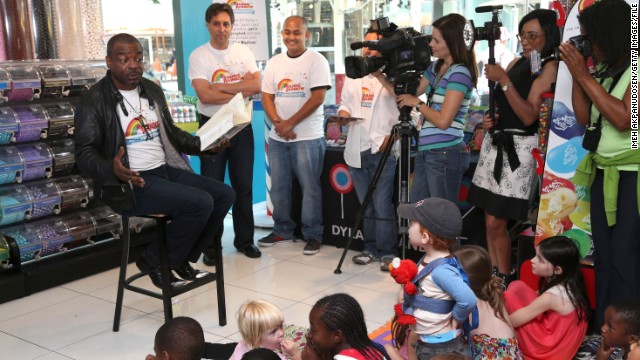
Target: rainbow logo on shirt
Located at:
point(367, 97)
point(218, 76)
point(241, 7)
point(282, 85)
point(134, 129)
point(288, 88)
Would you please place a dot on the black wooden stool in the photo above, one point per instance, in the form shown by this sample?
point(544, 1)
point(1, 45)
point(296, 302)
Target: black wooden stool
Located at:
point(167, 291)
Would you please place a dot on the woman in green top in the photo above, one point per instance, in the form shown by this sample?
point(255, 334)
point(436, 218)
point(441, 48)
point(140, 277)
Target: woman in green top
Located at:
point(611, 168)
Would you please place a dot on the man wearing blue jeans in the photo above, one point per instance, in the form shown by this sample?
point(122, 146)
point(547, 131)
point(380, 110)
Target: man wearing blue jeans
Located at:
point(218, 70)
point(293, 89)
point(125, 138)
point(368, 137)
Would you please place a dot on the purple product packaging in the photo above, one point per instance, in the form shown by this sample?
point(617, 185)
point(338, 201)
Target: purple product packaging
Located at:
point(45, 197)
point(38, 161)
point(33, 123)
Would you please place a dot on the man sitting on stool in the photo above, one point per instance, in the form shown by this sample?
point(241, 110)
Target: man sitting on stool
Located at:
point(125, 135)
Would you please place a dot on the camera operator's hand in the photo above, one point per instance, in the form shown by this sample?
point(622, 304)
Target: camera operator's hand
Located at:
point(495, 73)
point(575, 61)
point(407, 100)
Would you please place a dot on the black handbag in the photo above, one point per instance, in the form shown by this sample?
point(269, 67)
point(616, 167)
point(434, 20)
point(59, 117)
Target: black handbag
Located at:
point(119, 196)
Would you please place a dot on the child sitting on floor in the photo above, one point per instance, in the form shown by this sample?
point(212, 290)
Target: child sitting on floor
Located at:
point(180, 338)
point(444, 300)
point(337, 330)
point(261, 326)
point(401, 337)
point(551, 323)
point(494, 338)
point(621, 329)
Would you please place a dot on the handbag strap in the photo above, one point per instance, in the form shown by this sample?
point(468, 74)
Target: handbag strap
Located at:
point(613, 85)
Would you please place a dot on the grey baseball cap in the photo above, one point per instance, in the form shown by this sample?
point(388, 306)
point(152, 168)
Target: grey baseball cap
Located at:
point(440, 216)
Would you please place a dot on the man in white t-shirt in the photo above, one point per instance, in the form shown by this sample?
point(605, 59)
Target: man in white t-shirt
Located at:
point(362, 98)
point(218, 70)
point(293, 89)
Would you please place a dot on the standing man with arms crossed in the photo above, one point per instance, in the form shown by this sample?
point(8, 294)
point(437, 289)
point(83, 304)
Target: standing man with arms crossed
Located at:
point(293, 90)
point(218, 70)
point(125, 136)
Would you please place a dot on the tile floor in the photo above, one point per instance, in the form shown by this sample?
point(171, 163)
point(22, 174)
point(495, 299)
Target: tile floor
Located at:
point(74, 321)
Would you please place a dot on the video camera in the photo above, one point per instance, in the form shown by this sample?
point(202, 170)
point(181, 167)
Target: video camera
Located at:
point(405, 56)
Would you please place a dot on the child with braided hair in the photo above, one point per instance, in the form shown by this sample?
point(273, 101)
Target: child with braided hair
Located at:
point(494, 338)
point(337, 329)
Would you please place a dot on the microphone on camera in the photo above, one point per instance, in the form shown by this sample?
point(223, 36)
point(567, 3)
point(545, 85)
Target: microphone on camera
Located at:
point(360, 44)
point(489, 8)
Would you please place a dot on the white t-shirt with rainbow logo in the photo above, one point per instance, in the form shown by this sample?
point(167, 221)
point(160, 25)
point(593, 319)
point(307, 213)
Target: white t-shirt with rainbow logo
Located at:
point(291, 81)
point(220, 66)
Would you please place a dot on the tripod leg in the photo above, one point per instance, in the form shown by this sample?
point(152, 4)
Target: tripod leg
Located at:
point(365, 201)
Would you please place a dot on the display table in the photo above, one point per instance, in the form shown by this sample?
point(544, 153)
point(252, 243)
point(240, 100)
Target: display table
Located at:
point(339, 201)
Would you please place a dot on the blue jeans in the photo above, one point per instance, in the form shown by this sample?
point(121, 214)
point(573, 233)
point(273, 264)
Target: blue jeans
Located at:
point(196, 204)
point(380, 235)
point(438, 173)
point(239, 158)
point(304, 160)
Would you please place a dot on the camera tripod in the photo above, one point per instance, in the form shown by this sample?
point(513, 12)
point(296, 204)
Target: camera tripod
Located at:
point(403, 130)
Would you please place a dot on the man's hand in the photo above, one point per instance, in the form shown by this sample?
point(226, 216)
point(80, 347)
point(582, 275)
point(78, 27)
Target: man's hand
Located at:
point(284, 129)
point(220, 146)
point(123, 173)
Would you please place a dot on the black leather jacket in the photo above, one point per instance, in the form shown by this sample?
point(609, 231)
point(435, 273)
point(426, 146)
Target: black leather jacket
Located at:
point(98, 133)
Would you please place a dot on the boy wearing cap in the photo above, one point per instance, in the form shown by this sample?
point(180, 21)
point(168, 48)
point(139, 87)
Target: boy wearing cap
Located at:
point(443, 300)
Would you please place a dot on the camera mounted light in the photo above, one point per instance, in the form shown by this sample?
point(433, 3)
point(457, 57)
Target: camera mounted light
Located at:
point(468, 34)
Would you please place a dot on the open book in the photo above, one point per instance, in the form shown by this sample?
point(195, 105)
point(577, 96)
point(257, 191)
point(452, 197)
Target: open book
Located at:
point(226, 122)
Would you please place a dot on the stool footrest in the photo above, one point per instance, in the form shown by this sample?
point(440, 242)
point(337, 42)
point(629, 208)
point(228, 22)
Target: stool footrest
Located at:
point(211, 277)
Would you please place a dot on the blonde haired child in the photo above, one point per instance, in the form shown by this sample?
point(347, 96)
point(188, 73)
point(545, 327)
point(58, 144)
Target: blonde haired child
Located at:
point(261, 326)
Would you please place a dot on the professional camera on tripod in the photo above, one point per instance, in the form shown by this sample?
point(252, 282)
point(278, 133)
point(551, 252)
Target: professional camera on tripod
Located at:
point(405, 57)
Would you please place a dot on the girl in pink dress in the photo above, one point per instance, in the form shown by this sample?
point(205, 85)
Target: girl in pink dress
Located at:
point(551, 323)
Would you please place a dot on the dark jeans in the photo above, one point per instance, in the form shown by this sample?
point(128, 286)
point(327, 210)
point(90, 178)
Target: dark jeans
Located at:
point(617, 248)
point(239, 157)
point(196, 204)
